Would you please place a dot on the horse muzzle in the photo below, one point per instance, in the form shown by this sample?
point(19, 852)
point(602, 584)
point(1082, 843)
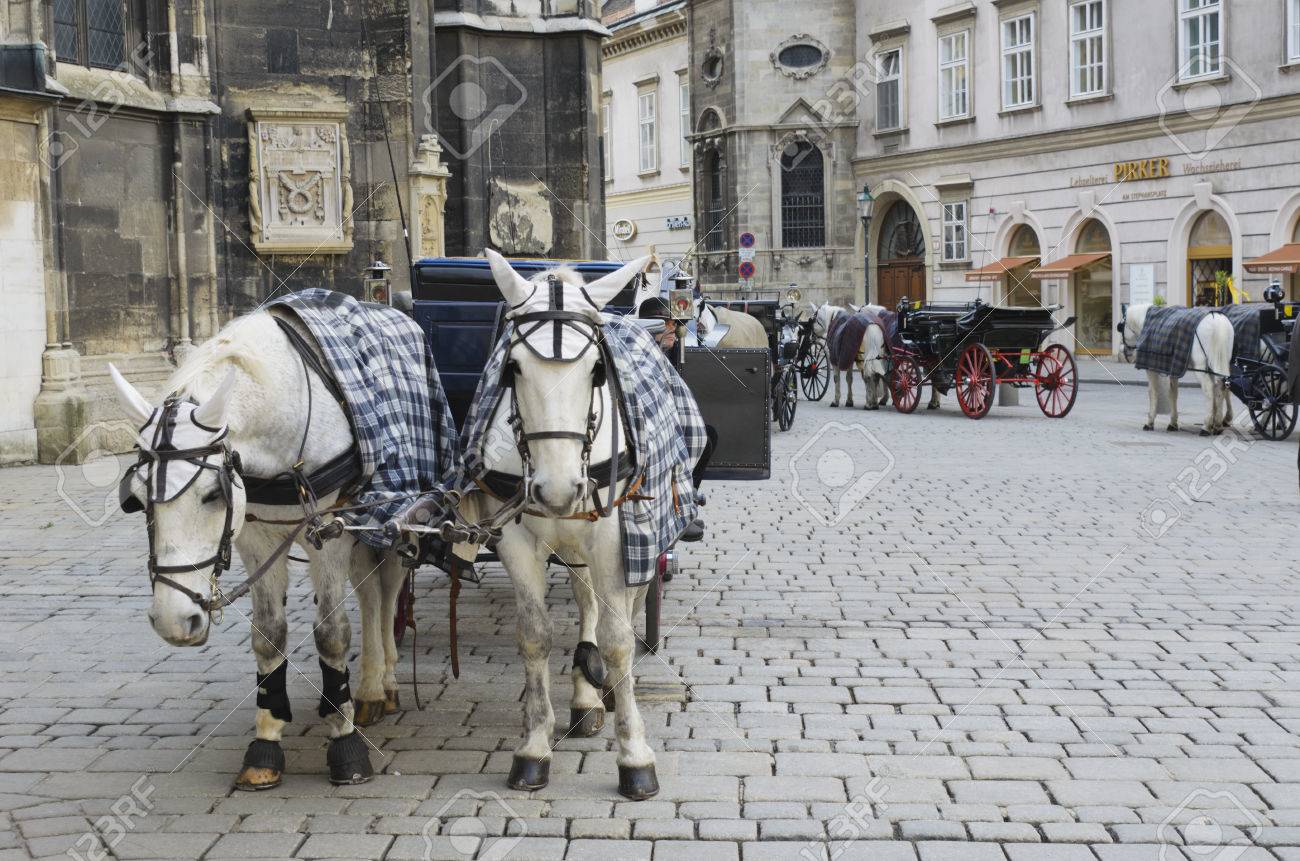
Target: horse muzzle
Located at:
point(558, 498)
point(181, 628)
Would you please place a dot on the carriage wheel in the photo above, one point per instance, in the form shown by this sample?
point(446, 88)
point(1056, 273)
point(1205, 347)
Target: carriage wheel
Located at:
point(905, 384)
point(654, 601)
point(405, 601)
point(1271, 411)
point(975, 381)
point(1056, 382)
point(789, 400)
point(816, 373)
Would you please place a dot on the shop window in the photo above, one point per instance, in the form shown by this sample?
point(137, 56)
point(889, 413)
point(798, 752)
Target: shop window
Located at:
point(1023, 290)
point(1209, 260)
point(1093, 292)
point(803, 196)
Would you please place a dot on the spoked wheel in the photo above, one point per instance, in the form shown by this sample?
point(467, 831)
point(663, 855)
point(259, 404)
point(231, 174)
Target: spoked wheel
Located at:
point(1056, 381)
point(816, 373)
point(975, 381)
point(405, 609)
point(1271, 410)
point(905, 384)
point(789, 400)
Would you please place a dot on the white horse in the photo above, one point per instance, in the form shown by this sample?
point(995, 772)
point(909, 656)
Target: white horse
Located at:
point(743, 330)
point(870, 361)
point(1211, 351)
point(556, 400)
point(248, 383)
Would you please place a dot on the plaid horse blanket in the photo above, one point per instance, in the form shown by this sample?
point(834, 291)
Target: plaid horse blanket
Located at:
point(1245, 328)
point(668, 437)
point(399, 413)
point(844, 339)
point(1165, 342)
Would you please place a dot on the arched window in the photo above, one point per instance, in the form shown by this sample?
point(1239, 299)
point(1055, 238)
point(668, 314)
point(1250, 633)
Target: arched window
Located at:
point(1209, 260)
point(901, 237)
point(803, 196)
point(1024, 242)
point(1094, 238)
point(1022, 290)
point(715, 212)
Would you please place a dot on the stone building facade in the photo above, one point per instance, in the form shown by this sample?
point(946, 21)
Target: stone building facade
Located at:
point(174, 164)
point(1083, 153)
point(774, 141)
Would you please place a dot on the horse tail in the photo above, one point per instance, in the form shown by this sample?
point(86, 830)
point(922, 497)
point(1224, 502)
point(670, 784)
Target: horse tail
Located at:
point(873, 349)
point(1218, 344)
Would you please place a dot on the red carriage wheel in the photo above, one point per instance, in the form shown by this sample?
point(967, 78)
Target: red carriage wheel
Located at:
point(905, 384)
point(975, 381)
point(1056, 381)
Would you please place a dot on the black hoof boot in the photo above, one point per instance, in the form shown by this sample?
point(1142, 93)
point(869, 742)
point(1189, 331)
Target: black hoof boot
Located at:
point(349, 760)
point(529, 774)
point(1148, 427)
point(1172, 429)
point(586, 723)
point(263, 766)
point(607, 698)
point(637, 782)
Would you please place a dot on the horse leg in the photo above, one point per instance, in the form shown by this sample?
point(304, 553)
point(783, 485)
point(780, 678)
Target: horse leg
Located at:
point(1172, 382)
point(367, 582)
point(835, 372)
point(1153, 399)
point(848, 381)
point(1210, 388)
point(391, 583)
point(586, 709)
point(636, 761)
point(263, 763)
point(524, 561)
point(348, 755)
point(1226, 394)
point(934, 397)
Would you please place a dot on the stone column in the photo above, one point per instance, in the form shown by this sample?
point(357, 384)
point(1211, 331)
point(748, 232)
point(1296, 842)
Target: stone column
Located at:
point(428, 195)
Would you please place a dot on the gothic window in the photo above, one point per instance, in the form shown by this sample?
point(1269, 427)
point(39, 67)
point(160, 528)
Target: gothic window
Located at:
point(94, 32)
point(715, 212)
point(803, 196)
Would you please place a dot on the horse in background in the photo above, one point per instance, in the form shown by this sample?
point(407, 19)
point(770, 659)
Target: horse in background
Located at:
point(1194, 339)
point(855, 339)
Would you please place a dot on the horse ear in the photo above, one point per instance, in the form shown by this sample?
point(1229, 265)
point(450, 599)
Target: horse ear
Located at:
point(137, 408)
point(212, 412)
point(514, 287)
point(604, 289)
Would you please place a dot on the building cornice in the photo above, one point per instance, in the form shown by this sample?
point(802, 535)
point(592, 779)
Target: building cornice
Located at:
point(521, 24)
point(666, 28)
point(658, 194)
point(1122, 131)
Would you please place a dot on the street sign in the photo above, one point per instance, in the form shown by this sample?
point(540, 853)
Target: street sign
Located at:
point(747, 270)
point(747, 254)
point(747, 240)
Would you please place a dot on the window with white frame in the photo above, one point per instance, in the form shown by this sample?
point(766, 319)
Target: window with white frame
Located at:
point(1200, 38)
point(889, 83)
point(607, 138)
point(1018, 62)
point(1088, 48)
point(954, 231)
point(1293, 31)
point(649, 134)
point(954, 75)
point(684, 117)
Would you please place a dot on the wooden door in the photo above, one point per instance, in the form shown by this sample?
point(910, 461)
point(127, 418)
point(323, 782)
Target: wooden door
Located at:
point(898, 280)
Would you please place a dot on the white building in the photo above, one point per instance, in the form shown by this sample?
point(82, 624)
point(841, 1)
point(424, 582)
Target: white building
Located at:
point(1080, 152)
point(645, 114)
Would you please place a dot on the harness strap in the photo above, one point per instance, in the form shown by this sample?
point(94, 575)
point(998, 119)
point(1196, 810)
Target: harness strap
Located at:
point(629, 495)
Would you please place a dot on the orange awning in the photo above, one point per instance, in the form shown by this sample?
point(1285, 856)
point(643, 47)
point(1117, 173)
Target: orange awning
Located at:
point(998, 268)
point(1284, 259)
point(1067, 266)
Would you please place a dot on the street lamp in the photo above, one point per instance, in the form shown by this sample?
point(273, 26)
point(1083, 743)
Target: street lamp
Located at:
point(866, 205)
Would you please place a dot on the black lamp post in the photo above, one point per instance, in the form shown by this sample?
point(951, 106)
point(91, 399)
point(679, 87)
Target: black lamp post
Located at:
point(866, 205)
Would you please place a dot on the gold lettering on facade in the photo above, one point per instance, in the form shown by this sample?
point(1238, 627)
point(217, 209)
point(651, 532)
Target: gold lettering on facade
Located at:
point(1147, 168)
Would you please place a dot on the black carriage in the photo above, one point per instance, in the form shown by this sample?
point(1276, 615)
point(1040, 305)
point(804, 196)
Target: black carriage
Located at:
point(1261, 383)
point(973, 347)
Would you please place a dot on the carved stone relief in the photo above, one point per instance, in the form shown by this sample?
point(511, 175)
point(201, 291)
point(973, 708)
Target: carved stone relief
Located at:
point(299, 184)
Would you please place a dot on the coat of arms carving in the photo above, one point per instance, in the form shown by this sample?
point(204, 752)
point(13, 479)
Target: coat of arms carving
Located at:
point(299, 184)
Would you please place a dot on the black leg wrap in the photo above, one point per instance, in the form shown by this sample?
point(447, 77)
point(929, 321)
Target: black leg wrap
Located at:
point(529, 774)
point(264, 754)
point(637, 782)
point(336, 693)
point(349, 760)
point(273, 696)
point(586, 657)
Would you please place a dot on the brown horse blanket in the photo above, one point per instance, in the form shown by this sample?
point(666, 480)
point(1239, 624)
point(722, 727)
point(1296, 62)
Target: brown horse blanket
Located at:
point(845, 333)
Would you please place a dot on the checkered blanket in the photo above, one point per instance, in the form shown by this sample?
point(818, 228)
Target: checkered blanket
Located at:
point(398, 410)
point(668, 438)
point(1245, 328)
point(1165, 342)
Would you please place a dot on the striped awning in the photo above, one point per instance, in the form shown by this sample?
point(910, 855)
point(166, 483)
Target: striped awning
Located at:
point(998, 269)
point(1280, 260)
point(1067, 266)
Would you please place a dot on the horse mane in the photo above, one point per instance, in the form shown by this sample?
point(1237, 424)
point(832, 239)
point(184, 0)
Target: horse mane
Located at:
point(567, 274)
point(239, 344)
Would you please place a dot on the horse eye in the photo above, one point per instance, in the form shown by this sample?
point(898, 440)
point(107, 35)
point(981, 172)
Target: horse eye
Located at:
point(513, 367)
point(211, 496)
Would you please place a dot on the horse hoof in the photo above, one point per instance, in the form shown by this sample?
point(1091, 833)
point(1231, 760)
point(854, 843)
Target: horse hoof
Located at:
point(586, 723)
point(637, 782)
point(848, 405)
point(1172, 429)
point(932, 406)
point(1148, 427)
point(529, 774)
point(1206, 432)
point(369, 712)
point(263, 766)
point(349, 760)
point(607, 699)
point(392, 701)
point(834, 404)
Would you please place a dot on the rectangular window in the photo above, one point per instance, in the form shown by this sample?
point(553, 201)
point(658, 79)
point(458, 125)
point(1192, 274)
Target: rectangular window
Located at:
point(649, 139)
point(954, 231)
point(1018, 62)
point(684, 109)
point(954, 76)
point(607, 139)
point(1200, 38)
point(91, 32)
point(889, 80)
point(1088, 48)
point(1293, 30)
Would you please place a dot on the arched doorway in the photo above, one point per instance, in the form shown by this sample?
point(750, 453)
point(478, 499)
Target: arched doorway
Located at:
point(1209, 260)
point(1019, 289)
point(1092, 291)
point(900, 270)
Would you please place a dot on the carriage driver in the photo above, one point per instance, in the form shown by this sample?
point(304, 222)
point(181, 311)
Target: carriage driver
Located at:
point(656, 308)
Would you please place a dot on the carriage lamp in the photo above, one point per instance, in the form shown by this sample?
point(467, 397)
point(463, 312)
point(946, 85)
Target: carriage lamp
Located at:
point(376, 283)
point(866, 206)
point(793, 295)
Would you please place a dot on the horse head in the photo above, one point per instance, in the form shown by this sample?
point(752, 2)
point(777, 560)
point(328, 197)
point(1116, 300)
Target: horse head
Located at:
point(1131, 327)
point(557, 371)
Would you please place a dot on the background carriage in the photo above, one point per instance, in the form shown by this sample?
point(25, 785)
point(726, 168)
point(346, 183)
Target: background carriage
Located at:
point(973, 347)
point(1259, 378)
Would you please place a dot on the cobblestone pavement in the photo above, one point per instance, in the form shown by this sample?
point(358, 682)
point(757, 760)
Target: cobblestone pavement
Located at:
point(1020, 644)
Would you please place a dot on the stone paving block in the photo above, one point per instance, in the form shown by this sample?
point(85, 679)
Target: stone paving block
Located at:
point(1050, 852)
point(250, 845)
point(1003, 832)
point(680, 850)
point(727, 829)
point(609, 850)
point(872, 850)
point(1075, 832)
point(948, 851)
point(358, 846)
